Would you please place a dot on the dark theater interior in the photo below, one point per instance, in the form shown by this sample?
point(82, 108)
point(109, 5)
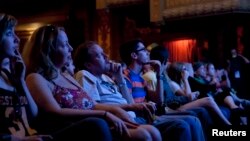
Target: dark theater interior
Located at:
point(191, 30)
point(216, 26)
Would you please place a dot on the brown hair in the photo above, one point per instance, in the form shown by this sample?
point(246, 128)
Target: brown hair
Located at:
point(82, 56)
point(38, 51)
point(6, 22)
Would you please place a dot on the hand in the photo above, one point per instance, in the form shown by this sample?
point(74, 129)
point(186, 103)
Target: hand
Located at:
point(156, 66)
point(194, 95)
point(148, 110)
point(119, 112)
point(184, 75)
point(118, 124)
point(32, 138)
point(116, 70)
point(17, 66)
point(152, 106)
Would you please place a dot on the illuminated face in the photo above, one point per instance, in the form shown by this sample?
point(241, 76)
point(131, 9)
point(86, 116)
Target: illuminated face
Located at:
point(233, 52)
point(211, 70)
point(63, 49)
point(99, 61)
point(10, 43)
point(142, 54)
point(201, 71)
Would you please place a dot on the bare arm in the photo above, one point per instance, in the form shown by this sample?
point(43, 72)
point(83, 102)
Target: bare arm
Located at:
point(157, 96)
point(43, 96)
point(244, 58)
point(116, 70)
point(17, 68)
point(187, 89)
point(226, 82)
point(42, 93)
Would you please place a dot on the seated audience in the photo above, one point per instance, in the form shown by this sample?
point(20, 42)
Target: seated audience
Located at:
point(61, 98)
point(179, 85)
point(222, 97)
point(91, 76)
point(135, 55)
point(17, 106)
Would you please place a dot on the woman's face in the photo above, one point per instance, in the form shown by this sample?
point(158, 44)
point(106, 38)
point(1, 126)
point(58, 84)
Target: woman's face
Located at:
point(211, 70)
point(63, 49)
point(201, 71)
point(10, 43)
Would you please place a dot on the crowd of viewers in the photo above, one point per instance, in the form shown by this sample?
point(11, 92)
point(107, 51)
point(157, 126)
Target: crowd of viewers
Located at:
point(48, 93)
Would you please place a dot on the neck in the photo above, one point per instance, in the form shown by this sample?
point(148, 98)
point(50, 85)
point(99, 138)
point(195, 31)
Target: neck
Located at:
point(97, 75)
point(136, 68)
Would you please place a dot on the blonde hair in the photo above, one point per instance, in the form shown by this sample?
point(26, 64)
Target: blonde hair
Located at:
point(38, 51)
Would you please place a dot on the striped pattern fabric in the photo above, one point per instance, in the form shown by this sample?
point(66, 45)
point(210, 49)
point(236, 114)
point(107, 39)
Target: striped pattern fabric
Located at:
point(136, 85)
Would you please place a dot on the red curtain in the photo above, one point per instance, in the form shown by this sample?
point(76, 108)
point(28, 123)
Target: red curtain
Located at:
point(181, 50)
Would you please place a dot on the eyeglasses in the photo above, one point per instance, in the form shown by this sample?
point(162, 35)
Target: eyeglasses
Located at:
point(142, 49)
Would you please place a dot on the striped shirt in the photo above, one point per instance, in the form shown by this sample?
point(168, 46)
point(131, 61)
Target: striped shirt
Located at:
point(136, 85)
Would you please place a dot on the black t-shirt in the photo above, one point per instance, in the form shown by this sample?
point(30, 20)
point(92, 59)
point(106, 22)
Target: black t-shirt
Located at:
point(13, 117)
point(236, 66)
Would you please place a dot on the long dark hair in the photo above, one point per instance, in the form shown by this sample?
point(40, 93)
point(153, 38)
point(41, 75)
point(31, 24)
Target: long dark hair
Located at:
point(6, 22)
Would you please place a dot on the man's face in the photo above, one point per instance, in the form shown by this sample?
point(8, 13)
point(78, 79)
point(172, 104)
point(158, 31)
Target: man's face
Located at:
point(99, 61)
point(233, 53)
point(142, 54)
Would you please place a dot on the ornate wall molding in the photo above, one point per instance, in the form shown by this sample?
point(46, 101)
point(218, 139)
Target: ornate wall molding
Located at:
point(191, 8)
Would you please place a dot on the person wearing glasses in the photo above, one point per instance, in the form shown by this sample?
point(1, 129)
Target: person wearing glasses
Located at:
point(92, 67)
point(135, 55)
point(60, 98)
point(93, 73)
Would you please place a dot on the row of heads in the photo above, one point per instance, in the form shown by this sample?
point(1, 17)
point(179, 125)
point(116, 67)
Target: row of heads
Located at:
point(49, 33)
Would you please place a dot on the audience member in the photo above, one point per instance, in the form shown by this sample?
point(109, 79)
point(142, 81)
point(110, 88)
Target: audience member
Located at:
point(180, 86)
point(222, 97)
point(14, 95)
point(93, 79)
point(61, 96)
point(237, 65)
point(17, 106)
point(135, 55)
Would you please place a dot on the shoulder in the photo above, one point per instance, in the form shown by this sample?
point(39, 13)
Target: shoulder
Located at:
point(79, 74)
point(36, 82)
point(85, 76)
point(106, 78)
point(35, 77)
point(174, 84)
